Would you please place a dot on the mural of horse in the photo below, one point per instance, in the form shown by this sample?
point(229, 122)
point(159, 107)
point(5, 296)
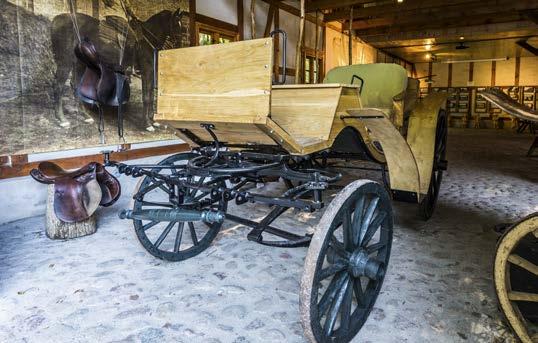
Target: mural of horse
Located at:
point(114, 36)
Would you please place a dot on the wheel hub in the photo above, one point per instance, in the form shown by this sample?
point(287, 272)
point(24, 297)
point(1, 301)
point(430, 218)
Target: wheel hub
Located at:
point(361, 264)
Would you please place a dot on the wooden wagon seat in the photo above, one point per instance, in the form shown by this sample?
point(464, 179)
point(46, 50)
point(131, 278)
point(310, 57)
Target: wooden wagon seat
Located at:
point(383, 83)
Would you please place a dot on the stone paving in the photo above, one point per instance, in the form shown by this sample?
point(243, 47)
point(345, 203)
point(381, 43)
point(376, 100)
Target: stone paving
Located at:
point(106, 288)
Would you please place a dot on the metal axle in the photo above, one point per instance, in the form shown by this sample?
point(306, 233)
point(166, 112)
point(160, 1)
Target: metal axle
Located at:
point(175, 215)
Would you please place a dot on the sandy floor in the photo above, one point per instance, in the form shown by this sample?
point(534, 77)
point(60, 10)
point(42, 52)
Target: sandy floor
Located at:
point(105, 287)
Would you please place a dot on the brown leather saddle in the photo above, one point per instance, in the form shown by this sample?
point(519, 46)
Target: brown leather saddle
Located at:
point(78, 193)
point(102, 84)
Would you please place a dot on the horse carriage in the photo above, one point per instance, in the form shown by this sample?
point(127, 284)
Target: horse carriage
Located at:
point(244, 131)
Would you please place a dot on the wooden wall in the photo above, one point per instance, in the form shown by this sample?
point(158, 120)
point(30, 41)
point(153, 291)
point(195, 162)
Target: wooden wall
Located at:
point(482, 73)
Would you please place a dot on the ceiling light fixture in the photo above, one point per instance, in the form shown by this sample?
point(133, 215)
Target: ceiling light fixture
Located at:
point(462, 38)
point(428, 46)
point(400, 1)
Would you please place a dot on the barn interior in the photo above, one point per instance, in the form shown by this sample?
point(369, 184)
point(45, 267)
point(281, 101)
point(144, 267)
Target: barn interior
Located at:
point(424, 110)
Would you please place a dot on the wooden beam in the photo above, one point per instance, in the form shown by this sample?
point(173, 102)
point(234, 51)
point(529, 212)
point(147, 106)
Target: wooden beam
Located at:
point(350, 43)
point(192, 22)
point(410, 7)
point(216, 23)
point(518, 70)
point(270, 17)
point(471, 71)
point(240, 20)
point(520, 27)
point(292, 10)
point(523, 43)
point(21, 167)
point(299, 50)
point(253, 19)
point(426, 23)
point(277, 45)
point(330, 4)
point(449, 82)
point(493, 72)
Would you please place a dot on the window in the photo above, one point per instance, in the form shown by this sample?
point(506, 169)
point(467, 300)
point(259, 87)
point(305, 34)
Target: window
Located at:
point(208, 35)
point(313, 72)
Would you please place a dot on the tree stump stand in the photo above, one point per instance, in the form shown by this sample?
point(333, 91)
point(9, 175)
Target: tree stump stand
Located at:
point(57, 229)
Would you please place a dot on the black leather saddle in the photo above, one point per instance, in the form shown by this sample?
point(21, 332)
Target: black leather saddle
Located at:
point(102, 84)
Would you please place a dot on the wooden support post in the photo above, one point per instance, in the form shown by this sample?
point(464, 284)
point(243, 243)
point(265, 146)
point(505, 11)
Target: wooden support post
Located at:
point(277, 45)
point(57, 229)
point(449, 83)
point(471, 72)
point(299, 50)
point(350, 47)
point(518, 70)
point(316, 47)
point(493, 72)
point(430, 70)
point(240, 20)
point(270, 16)
point(192, 22)
point(253, 19)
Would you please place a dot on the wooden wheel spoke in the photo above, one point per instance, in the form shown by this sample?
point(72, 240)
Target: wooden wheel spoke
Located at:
point(149, 225)
point(523, 263)
point(359, 293)
point(357, 219)
point(164, 234)
point(193, 233)
point(523, 296)
point(347, 231)
point(375, 247)
point(335, 306)
point(330, 292)
point(374, 226)
point(147, 189)
point(338, 248)
point(331, 270)
point(179, 235)
point(368, 217)
point(345, 309)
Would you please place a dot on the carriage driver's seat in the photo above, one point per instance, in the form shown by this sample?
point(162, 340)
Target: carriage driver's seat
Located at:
point(102, 84)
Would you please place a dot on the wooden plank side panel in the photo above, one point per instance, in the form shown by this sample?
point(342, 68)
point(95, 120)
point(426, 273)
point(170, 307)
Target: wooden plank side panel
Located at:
point(305, 112)
point(232, 81)
point(231, 133)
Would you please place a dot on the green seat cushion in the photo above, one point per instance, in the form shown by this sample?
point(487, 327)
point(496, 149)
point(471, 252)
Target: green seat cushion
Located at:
point(382, 82)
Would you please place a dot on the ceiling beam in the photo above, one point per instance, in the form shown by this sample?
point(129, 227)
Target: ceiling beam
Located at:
point(295, 11)
point(525, 45)
point(488, 13)
point(430, 23)
point(330, 4)
point(409, 5)
point(520, 27)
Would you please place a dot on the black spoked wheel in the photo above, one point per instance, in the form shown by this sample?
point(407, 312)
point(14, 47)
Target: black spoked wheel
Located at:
point(346, 263)
point(175, 241)
point(427, 206)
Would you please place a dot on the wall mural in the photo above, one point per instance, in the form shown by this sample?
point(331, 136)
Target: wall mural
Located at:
point(40, 74)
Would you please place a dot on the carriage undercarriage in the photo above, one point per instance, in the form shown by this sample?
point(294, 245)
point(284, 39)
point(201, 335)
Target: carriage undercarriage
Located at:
point(181, 203)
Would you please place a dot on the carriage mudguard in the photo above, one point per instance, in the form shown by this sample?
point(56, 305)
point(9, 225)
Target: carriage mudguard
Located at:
point(421, 134)
point(403, 170)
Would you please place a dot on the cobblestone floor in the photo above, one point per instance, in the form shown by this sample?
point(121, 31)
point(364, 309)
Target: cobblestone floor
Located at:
point(106, 288)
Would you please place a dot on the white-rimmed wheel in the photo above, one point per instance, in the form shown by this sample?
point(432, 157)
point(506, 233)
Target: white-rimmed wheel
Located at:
point(346, 263)
point(516, 277)
point(176, 240)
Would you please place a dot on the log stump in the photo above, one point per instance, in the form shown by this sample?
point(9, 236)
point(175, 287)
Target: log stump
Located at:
point(57, 229)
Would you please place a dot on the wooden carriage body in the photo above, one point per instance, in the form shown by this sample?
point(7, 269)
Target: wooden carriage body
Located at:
point(230, 86)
